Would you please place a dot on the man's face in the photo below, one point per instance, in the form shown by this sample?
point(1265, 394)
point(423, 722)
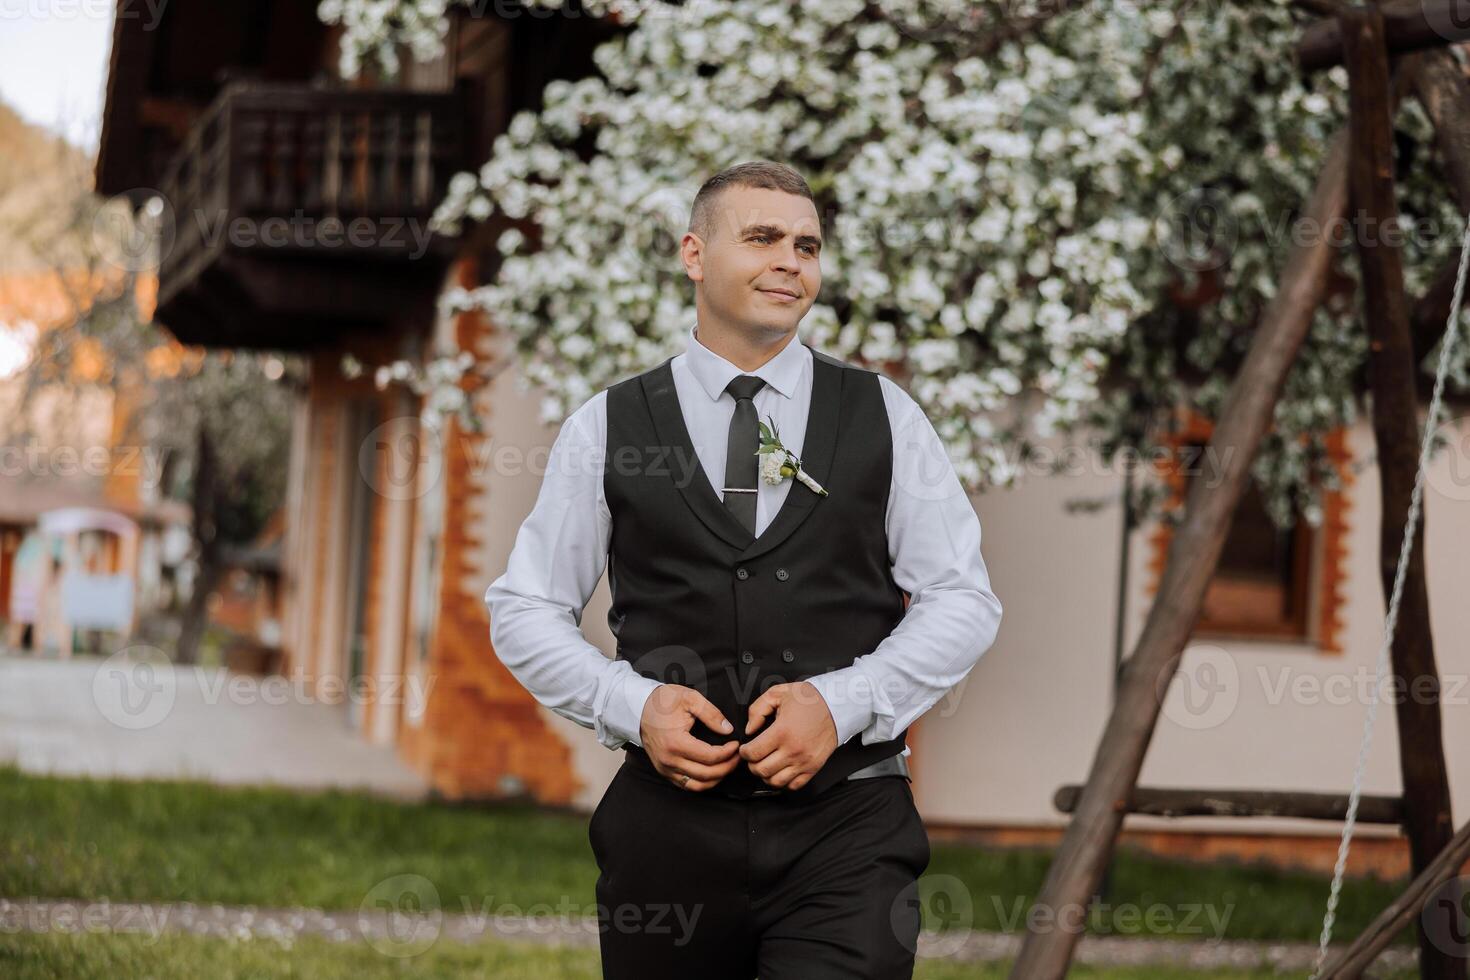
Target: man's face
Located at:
point(759, 269)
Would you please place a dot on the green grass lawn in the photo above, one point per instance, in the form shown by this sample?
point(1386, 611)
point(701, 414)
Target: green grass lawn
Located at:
point(188, 841)
point(83, 957)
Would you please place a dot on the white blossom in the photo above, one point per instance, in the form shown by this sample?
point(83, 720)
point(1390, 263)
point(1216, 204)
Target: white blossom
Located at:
point(771, 464)
point(998, 217)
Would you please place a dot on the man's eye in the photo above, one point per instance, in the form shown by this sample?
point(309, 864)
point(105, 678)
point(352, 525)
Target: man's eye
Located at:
point(760, 238)
point(812, 249)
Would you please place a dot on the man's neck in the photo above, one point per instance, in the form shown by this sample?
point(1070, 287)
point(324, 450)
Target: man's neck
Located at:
point(738, 348)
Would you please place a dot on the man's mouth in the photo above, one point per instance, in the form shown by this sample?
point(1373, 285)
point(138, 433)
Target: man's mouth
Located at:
point(785, 295)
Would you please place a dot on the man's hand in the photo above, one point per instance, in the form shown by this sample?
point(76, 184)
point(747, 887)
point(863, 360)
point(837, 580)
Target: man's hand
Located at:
point(687, 762)
point(798, 743)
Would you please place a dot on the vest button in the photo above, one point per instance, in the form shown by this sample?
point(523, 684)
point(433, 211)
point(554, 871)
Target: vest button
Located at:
point(742, 573)
point(787, 656)
point(746, 657)
point(782, 574)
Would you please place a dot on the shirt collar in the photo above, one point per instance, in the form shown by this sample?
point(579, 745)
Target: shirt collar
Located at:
point(714, 373)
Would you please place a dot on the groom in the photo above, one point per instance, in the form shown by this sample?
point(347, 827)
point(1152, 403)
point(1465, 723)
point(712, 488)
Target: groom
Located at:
point(774, 642)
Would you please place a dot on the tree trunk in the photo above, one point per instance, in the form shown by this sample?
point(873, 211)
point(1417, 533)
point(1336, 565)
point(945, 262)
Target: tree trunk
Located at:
point(206, 549)
point(1391, 369)
point(1193, 555)
point(1442, 89)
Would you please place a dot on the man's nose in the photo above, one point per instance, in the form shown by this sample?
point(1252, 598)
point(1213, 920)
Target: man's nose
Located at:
point(787, 260)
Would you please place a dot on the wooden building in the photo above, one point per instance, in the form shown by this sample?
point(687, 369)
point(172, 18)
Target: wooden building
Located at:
point(295, 211)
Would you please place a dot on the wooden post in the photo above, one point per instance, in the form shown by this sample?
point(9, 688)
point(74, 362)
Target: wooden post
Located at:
point(1193, 554)
point(1396, 430)
point(1353, 961)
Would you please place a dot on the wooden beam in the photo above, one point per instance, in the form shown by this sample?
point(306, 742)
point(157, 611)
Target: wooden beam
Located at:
point(1194, 552)
point(1148, 801)
point(1391, 372)
point(1429, 884)
point(1408, 26)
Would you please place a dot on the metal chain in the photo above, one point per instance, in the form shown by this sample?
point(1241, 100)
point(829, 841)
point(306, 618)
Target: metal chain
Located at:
point(1451, 333)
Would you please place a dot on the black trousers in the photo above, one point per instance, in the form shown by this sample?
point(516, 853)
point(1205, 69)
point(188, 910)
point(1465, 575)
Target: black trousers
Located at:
point(698, 885)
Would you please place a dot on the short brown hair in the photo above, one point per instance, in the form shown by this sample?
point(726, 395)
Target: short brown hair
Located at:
point(765, 174)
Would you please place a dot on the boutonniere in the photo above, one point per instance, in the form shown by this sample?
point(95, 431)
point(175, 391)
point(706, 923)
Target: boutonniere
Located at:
point(778, 462)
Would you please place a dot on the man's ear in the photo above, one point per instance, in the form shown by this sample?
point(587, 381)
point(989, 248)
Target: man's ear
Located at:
point(691, 251)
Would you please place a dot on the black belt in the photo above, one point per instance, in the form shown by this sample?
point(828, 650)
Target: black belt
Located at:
point(894, 765)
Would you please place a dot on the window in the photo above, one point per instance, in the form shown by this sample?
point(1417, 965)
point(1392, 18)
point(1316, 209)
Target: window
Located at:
point(1270, 583)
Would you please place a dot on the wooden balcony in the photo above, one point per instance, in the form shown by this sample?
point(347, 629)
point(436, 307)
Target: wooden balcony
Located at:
point(301, 213)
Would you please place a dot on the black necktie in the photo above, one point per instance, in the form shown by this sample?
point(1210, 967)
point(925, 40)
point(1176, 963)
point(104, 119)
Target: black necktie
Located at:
point(741, 463)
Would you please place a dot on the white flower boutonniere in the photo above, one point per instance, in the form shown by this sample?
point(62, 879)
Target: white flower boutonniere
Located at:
point(778, 462)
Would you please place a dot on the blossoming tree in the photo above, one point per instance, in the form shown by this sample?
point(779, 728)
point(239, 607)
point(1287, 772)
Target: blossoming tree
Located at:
point(1063, 220)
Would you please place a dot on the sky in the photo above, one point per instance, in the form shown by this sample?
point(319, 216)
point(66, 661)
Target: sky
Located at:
point(53, 64)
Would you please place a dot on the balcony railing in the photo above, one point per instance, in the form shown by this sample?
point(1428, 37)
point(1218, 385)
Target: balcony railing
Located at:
point(276, 186)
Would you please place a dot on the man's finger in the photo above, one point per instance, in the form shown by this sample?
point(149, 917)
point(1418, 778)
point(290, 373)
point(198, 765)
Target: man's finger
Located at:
point(700, 707)
point(761, 707)
point(684, 745)
point(764, 743)
point(772, 763)
point(784, 777)
point(698, 771)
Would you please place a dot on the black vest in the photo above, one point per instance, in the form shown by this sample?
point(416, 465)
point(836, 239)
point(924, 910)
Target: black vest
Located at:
point(698, 600)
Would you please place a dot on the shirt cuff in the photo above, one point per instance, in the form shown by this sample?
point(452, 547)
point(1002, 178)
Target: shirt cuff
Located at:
point(622, 715)
point(849, 700)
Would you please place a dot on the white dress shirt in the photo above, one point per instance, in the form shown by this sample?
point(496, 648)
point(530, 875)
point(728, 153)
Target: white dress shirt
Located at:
point(561, 551)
